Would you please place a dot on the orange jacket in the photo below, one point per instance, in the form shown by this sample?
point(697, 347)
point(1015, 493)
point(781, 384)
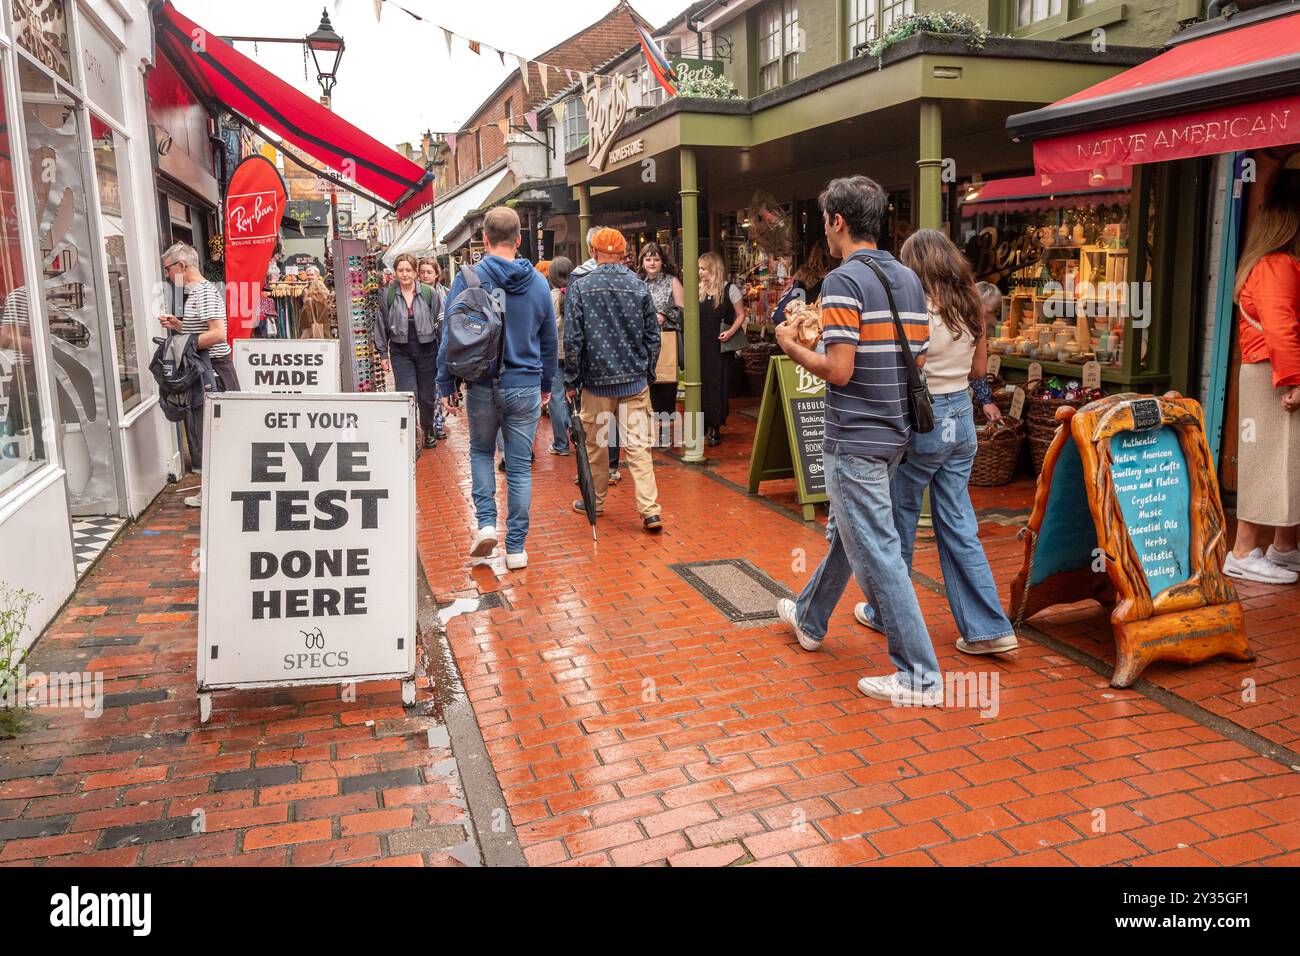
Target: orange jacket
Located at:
point(1271, 296)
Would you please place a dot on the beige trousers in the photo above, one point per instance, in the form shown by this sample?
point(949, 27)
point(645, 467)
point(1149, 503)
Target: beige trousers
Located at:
point(632, 417)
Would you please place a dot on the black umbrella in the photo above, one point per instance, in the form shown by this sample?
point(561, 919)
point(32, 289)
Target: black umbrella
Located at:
point(578, 439)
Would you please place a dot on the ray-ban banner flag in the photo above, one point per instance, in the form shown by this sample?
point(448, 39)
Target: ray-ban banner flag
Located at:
point(254, 206)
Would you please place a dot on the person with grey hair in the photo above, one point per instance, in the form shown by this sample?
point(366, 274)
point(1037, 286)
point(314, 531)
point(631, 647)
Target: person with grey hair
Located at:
point(203, 314)
point(590, 264)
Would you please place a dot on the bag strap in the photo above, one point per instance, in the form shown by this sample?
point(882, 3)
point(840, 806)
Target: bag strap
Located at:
point(909, 360)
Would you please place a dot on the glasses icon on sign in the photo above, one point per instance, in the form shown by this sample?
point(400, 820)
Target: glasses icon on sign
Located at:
point(315, 639)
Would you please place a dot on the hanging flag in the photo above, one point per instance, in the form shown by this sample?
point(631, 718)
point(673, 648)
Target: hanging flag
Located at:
point(531, 119)
point(657, 62)
point(546, 89)
point(568, 76)
point(446, 35)
point(501, 53)
point(523, 71)
point(379, 8)
point(451, 143)
point(474, 46)
point(558, 110)
point(504, 126)
point(597, 76)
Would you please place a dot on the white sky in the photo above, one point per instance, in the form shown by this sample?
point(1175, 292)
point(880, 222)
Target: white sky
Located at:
point(395, 79)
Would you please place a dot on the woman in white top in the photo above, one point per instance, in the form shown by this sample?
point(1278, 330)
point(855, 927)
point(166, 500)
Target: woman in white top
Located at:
point(942, 458)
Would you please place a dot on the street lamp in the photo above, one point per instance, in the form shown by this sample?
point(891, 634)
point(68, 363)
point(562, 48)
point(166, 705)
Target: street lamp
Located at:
point(326, 51)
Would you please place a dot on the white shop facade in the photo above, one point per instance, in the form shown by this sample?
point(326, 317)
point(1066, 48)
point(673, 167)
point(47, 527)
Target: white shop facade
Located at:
point(83, 444)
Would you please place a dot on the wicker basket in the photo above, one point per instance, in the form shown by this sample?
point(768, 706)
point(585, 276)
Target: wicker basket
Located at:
point(998, 452)
point(1040, 417)
point(756, 359)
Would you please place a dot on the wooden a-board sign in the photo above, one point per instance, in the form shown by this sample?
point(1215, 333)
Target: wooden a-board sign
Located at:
point(788, 440)
point(1127, 512)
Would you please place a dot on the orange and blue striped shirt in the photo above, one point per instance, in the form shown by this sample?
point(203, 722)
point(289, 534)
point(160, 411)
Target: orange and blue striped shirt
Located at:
point(868, 415)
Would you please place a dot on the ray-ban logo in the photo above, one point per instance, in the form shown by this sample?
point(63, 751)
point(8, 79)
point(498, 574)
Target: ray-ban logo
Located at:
point(76, 909)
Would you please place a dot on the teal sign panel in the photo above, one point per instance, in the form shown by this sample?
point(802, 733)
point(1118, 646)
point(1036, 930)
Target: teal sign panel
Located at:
point(1149, 472)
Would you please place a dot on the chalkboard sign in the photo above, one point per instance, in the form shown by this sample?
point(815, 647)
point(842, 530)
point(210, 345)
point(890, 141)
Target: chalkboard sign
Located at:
point(1142, 466)
point(788, 440)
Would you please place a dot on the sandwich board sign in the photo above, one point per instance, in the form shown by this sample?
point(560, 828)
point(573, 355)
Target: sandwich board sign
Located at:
point(307, 571)
point(1127, 512)
point(788, 440)
point(287, 366)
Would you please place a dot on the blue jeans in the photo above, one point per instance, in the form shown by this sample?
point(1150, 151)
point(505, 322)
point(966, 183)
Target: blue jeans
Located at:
point(559, 420)
point(517, 419)
point(942, 459)
point(864, 544)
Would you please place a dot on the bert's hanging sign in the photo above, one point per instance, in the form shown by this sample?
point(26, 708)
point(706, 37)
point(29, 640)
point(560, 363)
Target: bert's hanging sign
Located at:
point(1128, 512)
point(254, 206)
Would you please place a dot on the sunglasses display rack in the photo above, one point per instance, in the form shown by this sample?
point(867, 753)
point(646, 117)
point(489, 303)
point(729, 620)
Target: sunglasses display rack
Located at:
point(356, 285)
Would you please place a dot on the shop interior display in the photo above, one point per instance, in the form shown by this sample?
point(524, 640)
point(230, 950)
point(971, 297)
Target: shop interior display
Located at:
point(363, 287)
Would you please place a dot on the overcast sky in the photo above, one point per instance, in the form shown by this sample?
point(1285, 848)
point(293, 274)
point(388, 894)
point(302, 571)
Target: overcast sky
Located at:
point(395, 79)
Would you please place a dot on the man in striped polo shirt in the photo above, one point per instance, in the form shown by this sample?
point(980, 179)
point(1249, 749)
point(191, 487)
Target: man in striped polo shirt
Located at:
point(203, 313)
point(867, 432)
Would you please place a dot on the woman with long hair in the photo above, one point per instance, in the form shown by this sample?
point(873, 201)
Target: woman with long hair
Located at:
point(430, 273)
point(722, 315)
point(808, 277)
point(662, 277)
point(557, 274)
point(942, 458)
point(404, 339)
point(1268, 389)
point(317, 310)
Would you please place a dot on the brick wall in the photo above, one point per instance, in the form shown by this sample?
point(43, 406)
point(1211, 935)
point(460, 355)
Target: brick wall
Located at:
point(602, 41)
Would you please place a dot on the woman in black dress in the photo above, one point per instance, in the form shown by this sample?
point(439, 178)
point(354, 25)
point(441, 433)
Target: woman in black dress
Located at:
point(722, 315)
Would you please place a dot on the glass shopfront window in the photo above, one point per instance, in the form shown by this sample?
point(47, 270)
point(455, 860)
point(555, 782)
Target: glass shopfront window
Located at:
point(110, 150)
point(22, 443)
point(41, 28)
point(1058, 248)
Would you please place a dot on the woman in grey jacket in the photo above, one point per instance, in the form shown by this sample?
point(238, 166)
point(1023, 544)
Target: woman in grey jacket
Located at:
point(406, 340)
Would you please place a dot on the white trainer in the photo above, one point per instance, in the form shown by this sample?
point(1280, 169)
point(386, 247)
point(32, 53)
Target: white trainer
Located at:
point(862, 614)
point(999, 645)
point(1284, 559)
point(1255, 567)
point(194, 501)
point(785, 610)
point(517, 562)
point(485, 542)
point(891, 689)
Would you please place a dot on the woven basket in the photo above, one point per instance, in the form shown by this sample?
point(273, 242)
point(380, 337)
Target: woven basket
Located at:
point(1040, 417)
point(755, 359)
point(998, 452)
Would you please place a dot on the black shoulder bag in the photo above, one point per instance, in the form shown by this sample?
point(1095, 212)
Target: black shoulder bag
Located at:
point(920, 408)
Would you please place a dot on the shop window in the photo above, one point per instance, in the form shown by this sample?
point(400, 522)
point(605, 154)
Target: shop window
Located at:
point(1032, 16)
point(110, 151)
point(41, 28)
point(871, 19)
point(1030, 12)
point(1058, 248)
point(779, 43)
point(22, 443)
point(575, 124)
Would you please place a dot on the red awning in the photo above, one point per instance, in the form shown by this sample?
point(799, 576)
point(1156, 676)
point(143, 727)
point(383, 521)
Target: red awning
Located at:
point(1222, 86)
point(232, 81)
point(1054, 191)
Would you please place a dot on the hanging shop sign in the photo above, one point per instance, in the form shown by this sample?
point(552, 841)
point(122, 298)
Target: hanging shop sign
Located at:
point(287, 366)
point(688, 70)
point(254, 207)
point(788, 439)
point(605, 120)
point(1128, 513)
point(308, 542)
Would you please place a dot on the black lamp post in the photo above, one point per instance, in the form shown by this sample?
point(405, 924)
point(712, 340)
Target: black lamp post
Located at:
point(326, 51)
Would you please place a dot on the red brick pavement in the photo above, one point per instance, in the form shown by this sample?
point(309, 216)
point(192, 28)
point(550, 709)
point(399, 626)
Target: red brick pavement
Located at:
point(297, 777)
point(629, 722)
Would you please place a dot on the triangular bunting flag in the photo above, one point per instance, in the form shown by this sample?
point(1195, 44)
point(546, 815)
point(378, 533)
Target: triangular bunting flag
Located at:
point(504, 126)
point(568, 76)
point(558, 110)
point(446, 35)
point(523, 71)
point(501, 53)
point(451, 143)
point(598, 84)
point(474, 46)
point(546, 87)
point(379, 8)
point(531, 119)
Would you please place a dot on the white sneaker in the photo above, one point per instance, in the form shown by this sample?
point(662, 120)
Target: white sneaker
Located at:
point(194, 501)
point(1256, 567)
point(785, 610)
point(1284, 559)
point(889, 688)
point(999, 645)
point(517, 562)
point(485, 542)
point(862, 614)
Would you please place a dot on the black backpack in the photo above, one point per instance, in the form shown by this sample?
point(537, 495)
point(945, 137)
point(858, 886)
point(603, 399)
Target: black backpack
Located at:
point(475, 326)
point(184, 374)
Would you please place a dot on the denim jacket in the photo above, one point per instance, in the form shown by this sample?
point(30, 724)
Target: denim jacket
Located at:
point(611, 330)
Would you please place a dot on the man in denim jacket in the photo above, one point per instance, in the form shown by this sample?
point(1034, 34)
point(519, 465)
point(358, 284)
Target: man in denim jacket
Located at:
point(611, 346)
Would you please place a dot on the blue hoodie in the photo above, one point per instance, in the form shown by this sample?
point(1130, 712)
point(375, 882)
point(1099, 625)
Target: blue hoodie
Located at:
point(530, 359)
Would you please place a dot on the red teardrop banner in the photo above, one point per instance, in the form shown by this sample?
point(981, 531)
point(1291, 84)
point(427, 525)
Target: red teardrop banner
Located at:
point(255, 202)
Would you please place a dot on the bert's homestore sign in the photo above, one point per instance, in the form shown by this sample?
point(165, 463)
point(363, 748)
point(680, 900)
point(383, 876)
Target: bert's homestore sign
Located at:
point(1205, 133)
point(307, 571)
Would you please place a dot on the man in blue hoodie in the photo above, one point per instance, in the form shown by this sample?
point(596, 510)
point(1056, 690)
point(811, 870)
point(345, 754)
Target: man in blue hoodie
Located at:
point(530, 360)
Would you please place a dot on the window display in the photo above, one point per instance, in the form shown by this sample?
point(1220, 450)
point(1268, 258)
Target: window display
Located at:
point(108, 148)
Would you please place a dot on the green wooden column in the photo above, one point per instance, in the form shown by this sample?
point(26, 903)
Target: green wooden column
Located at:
point(693, 432)
point(584, 221)
point(930, 204)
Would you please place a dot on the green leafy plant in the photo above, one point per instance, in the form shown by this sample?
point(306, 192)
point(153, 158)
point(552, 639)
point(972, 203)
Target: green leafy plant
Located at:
point(714, 86)
point(950, 24)
point(15, 603)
